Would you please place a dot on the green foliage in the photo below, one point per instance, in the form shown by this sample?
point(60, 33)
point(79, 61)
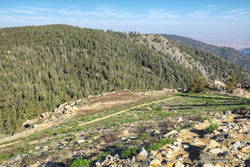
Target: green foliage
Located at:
point(130, 152)
point(188, 125)
point(80, 163)
point(217, 68)
point(231, 83)
point(3, 157)
point(211, 128)
point(144, 136)
point(42, 67)
point(102, 155)
point(199, 84)
point(159, 143)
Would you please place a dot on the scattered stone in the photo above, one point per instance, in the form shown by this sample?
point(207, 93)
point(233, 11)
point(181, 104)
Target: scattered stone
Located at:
point(81, 141)
point(155, 163)
point(215, 151)
point(143, 155)
point(246, 150)
point(179, 164)
point(236, 145)
point(45, 115)
point(171, 133)
point(227, 112)
point(208, 165)
point(155, 132)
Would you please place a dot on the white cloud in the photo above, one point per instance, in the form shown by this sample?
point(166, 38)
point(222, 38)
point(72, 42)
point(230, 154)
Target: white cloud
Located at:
point(70, 12)
point(104, 11)
point(236, 14)
point(23, 11)
point(36, 9)
point(160, 14)
point(208, 21)
point(212, 7)
point(201, 14)
point(239, 12)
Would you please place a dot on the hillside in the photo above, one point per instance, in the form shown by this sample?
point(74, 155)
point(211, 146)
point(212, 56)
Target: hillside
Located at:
point(226, 53)
point(129, 128)
point(212, 67)
point(44, 66)
point(245, 51)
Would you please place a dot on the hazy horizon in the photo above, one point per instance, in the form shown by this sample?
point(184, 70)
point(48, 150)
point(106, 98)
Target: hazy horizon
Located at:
point(223, 23)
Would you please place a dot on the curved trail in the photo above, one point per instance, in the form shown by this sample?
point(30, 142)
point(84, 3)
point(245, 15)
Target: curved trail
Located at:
point(123, 111)
point(16, 137)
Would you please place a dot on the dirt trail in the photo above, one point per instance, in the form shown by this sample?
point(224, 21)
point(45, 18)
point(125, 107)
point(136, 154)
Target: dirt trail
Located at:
point(123, 111)
point(57, 122)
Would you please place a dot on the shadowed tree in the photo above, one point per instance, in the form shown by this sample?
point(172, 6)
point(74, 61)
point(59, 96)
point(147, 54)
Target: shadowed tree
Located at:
point(231, 83)
point(199, 84)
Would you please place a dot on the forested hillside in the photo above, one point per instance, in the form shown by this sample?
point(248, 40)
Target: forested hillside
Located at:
point(44, 66)
point(226, 53)
point(210, 66)
point(245, 51)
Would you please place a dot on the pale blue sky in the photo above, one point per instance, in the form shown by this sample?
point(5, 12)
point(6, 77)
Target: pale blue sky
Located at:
point(223, 22)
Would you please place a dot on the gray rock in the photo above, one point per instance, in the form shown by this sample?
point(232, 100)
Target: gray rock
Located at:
point(155, 163)
point(179, 164)
point(155, 132)
point(143, 155)
point(171, 133)
point(208, 165)
point(80, 141)
point(227, 112)
point(215, 151)
point(236, 145)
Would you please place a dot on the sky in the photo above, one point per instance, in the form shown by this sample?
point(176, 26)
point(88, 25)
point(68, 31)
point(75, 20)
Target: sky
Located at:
point(220, 22)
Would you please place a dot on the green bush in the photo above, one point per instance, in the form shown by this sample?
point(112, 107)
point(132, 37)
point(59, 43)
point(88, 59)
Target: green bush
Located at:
point(102, 155)
point(80, 163)
point(199, 84)
point(160, 143)
point(130, 152)
point(3, 157)
point(211, 128)
point(231, 83)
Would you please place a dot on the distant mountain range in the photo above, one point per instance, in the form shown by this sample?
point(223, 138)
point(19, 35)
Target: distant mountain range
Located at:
point(226, 53)
point(245, 51)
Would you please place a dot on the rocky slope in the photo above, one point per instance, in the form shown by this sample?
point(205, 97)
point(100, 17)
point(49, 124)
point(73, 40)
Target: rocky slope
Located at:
point(155, 134)
point(207, 64)
point(226, 53)
point(226, 145)
point(245, 51)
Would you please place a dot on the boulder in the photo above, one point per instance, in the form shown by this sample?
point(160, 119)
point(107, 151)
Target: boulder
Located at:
point(155, 163)
point(215, 151)
point(143, 155)
point(45, 115)
point(171, 133)
point(208, 165)
point(179, 164)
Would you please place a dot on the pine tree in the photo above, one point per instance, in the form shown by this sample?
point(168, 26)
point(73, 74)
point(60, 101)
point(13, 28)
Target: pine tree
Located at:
point(199, 84)
point(231, 83)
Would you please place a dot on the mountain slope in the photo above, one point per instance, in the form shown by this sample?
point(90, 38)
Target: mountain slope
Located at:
point(226, 53)
point(42, 67)
point(245, 51)
point(212, 67)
